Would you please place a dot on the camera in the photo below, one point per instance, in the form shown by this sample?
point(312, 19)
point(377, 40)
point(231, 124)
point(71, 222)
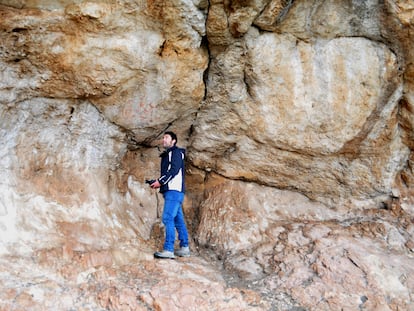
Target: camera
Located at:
point(150, 181)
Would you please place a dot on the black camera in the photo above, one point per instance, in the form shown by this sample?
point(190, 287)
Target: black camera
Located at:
point(150, 181)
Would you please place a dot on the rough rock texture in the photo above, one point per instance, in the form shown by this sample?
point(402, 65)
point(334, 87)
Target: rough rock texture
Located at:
point(298, 121)
point(279, 241)
point(312, 112)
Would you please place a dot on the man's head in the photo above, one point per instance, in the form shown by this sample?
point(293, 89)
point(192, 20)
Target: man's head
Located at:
point(169, 139)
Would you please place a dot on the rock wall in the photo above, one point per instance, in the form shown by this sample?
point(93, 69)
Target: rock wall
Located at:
point(298, 121)
point(314, 110)
point(80, 81)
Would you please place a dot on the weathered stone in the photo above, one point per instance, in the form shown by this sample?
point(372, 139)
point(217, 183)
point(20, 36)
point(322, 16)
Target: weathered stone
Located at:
point(269, 117)
point(305, 249)
point(298, 122)
point(133, 69)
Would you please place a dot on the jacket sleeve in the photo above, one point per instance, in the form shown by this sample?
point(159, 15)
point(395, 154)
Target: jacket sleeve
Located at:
point(175, 158)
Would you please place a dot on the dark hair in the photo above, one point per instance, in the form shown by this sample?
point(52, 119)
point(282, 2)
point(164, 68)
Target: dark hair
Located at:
point(172, 134)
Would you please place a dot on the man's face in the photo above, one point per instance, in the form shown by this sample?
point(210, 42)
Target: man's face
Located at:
point(167, 141)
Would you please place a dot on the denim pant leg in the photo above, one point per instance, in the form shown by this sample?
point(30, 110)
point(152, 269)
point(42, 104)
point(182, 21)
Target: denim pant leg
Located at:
point(172, 203)
point(181, 228)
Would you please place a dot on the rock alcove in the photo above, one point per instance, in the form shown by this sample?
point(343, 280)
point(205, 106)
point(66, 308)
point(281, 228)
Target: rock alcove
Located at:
point(297, 117)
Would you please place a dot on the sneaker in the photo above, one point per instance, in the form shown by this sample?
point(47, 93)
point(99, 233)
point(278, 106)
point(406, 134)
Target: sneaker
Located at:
point(183, 252)
point(164, 254)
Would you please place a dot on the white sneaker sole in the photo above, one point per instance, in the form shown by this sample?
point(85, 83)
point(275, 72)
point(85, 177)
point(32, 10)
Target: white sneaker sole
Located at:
point(160, 256)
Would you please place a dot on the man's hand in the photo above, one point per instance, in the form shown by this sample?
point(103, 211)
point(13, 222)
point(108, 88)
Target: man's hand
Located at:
point(155, 185)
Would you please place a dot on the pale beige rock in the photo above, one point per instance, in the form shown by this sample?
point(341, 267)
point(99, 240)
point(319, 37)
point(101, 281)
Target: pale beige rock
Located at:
point(286, 116)
point(262, 235)
point(141, 284)
point(308, 104)
point(135, 70)
point(335, 18)
point(116, 57)
point(404, 13)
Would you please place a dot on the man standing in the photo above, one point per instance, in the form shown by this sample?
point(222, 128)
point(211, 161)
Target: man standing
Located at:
point(171, 184)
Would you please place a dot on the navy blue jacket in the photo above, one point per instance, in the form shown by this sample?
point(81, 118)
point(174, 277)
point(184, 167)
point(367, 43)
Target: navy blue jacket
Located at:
point(172, 170)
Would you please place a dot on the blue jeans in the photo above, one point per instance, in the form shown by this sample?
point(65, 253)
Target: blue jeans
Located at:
point(173, 218)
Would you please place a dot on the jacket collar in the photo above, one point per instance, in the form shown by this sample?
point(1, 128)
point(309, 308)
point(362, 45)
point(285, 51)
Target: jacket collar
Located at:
point(165, 152)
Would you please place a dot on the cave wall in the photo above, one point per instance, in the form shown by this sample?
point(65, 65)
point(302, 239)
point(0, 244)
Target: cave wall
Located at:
point(297, 117)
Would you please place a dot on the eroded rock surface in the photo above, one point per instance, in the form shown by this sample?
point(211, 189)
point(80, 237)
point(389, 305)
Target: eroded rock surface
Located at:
point(317, 113)
point(280, 242)
point(298, 121)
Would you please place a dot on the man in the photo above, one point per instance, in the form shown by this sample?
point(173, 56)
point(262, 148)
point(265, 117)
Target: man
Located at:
point(171, 184)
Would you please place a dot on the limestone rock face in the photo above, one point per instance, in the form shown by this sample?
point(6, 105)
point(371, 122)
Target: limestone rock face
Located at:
point(282, 241)
point(315, 114)
point(298, 121)
point(83, 75)
point(125, 59)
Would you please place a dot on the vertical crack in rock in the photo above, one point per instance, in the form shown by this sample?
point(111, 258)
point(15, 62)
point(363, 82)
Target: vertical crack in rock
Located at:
point(205, 44)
